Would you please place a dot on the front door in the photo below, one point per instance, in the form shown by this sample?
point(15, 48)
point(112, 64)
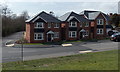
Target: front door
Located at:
point(92, 32)
point(81, 35)
point(49, 38)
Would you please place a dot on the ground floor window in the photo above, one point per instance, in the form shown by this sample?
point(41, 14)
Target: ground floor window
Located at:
point(86, 33)
point(38, 36)
point(56, 34)
point(99, 31)
point(72, 34)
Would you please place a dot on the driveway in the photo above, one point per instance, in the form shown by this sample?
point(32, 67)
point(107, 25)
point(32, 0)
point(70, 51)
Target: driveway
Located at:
point(14, 53)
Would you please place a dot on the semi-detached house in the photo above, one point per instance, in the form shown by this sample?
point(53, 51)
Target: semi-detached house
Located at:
point(45, 27)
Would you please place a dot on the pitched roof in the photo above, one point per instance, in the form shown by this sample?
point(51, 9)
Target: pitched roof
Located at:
point(86, 12)
point(70, 15)
point(93, 14)
point(65, 16)
point(45, 16)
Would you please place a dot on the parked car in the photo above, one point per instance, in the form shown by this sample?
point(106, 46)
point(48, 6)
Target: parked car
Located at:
point(112, 32)
point(115, 37)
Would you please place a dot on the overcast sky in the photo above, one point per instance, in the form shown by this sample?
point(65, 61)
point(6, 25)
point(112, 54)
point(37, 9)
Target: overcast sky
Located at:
point(60, 8)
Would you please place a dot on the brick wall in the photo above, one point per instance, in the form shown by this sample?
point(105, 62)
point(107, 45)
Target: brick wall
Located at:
point(100, 36)
point(30, 33)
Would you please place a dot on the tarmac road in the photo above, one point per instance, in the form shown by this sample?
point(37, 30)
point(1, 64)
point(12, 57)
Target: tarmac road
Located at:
point(14, 53)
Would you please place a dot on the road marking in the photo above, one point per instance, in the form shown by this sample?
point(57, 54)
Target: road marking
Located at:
point(64, 45)
point(87, 51)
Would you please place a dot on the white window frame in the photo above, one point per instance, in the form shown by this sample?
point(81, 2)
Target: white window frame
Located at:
point(107, 23)
point(99, 21)
point(56, 34)
point(87, 24)
point(100, 31)
point(86, 33)
point(56, 25)
point(36, 36)
point(49, 25)
point(37, 25)
point(71, 34)
point(71, 24)
point(80, 24)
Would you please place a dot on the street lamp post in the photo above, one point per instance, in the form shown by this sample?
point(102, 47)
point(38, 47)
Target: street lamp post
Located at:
point(22, 53)
point(22, 50)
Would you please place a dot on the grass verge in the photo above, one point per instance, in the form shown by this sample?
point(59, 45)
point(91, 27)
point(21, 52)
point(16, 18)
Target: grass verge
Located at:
point(107, 60)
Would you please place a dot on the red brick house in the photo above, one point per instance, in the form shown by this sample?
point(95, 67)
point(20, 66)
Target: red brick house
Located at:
point(99, 23)
point(73, 26)
point(43, 27)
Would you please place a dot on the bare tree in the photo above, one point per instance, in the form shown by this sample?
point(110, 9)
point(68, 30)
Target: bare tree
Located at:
point(6, 11)
point(25, 15)
point(11, 22)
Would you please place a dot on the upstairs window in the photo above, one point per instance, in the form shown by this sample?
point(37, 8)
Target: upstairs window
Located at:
point(39, 25)
point(73, 24)
point(86, 24)
point(56, 34)
point(99, 21)
point(80, 24)
point(99, 31)
point(56, 25)
point(49, 25)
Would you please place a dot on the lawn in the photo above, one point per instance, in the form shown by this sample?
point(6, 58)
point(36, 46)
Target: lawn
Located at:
point(53, 43)
point(107, 60)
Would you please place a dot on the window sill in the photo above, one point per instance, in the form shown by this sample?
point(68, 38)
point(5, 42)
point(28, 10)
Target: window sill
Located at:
point(56, 37)
point(100, 34)
point(38, 39)
point(72, 26)
point(56, 27)
point(39, 28)
point(86, 26)
point(99, 24)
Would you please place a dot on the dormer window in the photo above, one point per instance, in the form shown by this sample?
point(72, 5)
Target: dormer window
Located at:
point(39, 25)
point(73, 24)
point(99, 21)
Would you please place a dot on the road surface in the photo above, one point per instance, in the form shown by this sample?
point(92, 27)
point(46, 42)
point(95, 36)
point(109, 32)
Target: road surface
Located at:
point(14, 53)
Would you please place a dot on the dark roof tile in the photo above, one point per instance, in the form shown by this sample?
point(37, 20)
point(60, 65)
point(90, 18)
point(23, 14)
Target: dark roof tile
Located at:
point(45, 16)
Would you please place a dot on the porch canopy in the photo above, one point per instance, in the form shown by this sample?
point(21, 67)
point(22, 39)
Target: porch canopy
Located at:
point(82, 30)
point(50, 32)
